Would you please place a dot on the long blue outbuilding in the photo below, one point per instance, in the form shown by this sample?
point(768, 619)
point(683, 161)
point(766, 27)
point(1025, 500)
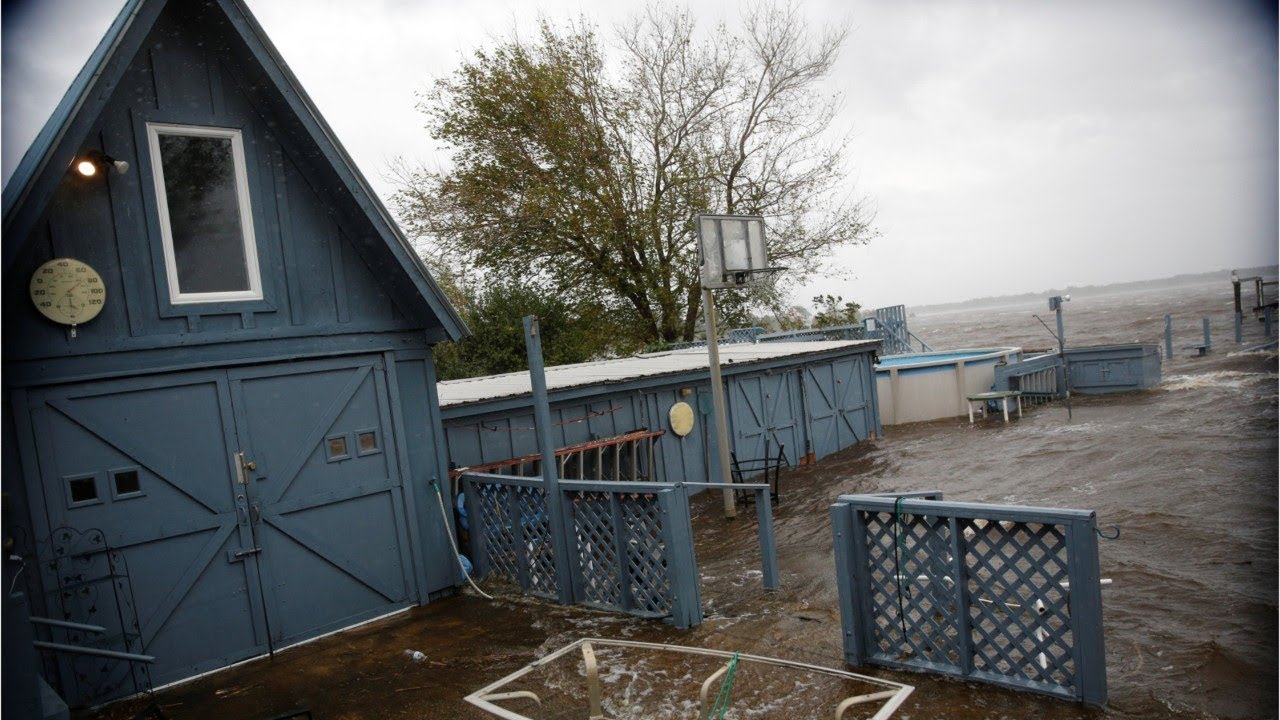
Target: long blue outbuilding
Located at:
point(806, 399)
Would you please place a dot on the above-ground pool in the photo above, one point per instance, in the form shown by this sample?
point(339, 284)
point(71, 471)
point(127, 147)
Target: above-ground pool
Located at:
point(932, 385)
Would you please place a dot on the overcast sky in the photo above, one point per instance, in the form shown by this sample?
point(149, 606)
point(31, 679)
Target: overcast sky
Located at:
point(1005, 146)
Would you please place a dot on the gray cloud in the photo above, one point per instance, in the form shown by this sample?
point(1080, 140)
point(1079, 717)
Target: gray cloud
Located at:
point(1007, 145)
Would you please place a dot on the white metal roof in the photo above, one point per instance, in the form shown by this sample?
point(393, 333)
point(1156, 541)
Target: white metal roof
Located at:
point(560, 377)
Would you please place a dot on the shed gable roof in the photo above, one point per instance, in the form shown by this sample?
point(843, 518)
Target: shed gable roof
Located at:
point(36, 178)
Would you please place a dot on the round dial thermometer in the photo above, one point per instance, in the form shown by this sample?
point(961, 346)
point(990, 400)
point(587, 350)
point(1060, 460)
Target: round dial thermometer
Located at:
point(67, 291)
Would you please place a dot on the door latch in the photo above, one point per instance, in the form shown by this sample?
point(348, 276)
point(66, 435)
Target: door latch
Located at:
point(238, 555)
point(244, 466)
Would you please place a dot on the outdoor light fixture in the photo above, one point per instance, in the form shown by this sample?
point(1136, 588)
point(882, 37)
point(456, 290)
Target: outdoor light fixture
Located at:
point(87, 165)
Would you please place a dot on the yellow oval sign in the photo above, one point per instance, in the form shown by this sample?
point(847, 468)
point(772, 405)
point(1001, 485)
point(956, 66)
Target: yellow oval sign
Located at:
point(681, 418)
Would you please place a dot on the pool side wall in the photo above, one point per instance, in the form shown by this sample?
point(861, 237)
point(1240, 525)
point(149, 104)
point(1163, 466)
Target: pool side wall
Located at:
point(932, 386)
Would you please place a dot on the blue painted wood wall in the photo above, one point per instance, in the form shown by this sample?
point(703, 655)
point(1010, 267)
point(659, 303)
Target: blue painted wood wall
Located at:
point(812, 405)
point(172, 391)
point(324, 271)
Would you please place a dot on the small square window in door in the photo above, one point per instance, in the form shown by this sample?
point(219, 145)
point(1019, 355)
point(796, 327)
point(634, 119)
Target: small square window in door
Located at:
point(125, 483)
point(337, 447)
point(367, 442)
point(82, 490)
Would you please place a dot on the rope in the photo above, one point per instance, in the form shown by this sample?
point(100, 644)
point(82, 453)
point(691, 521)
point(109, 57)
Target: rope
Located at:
point(570, 421)
point(444, 515)
point(726, 687)
point(899, 548)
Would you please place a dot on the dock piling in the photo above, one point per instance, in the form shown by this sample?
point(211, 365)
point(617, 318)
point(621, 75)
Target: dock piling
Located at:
point(1168, 337)
point(1208, 344)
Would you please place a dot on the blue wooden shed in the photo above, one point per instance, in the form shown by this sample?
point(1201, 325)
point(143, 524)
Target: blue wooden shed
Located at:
point(220, 425)
point(807, 399)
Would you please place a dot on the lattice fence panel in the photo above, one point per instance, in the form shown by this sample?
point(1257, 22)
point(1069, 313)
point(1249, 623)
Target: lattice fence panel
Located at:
point(517, 543)
point(983, 598)
point(1018, 609)
point(650, 583)
point(912, 588)
point(499, 531)
point(621, 552)
point(535, 526)
point(596, 543)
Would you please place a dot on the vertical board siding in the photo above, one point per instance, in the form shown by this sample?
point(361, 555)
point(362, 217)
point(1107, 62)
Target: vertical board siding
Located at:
point(226, 559)
point(321, 267)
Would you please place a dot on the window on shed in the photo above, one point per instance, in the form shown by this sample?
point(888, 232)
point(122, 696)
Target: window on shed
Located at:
point(206, 223)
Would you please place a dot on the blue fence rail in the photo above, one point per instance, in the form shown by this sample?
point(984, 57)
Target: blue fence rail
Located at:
point(630, 544)
point(1003, 594)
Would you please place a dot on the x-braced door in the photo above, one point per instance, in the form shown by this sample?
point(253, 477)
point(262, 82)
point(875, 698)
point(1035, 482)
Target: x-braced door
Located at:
point(765, 410)
point(255, 507)
point(323, 492)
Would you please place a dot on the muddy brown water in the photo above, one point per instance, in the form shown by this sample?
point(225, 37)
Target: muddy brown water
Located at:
point(1187, 471)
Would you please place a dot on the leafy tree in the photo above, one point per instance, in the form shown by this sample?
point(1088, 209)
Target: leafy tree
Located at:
point(571, 331)
point(582, 169)
point(833, 310)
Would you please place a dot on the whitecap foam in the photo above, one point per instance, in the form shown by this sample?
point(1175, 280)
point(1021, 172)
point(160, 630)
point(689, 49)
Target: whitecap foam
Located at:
point(1229, 379)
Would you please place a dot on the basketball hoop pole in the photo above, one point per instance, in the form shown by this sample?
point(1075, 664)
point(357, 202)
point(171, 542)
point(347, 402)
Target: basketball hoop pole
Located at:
point(717, 401)
point(733, 252)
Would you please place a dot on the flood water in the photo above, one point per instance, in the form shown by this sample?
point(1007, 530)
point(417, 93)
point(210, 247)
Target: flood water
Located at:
point(1187, 471)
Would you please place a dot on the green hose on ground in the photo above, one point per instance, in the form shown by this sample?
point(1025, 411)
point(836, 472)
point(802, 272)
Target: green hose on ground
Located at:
point(726, 686)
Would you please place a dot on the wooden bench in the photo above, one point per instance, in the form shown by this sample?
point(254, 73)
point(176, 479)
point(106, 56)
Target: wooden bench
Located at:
point(1001, 395)
point(1200, 349)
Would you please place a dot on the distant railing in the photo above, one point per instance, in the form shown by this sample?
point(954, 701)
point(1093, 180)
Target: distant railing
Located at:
point(832, 332)
point(895, 337)
point(630, 545)
point(1004, 594)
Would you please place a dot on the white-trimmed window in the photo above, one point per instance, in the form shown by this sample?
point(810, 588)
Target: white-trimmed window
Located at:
point(206, 223)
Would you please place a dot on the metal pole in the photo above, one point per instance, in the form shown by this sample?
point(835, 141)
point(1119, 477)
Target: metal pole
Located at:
point(1239, 328)
point(1208, 344)
point(717, 403)
point(1062, 340)
point(1168, 337)
point(550, 476)
point(96, 652)
point(1062, 353)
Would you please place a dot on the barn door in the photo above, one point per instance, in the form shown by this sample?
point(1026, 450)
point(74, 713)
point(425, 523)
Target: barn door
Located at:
point(765, 408)
point(254, 507)
point(836, 401)
point(326, 504)
point(149, 462)
point(821, 404)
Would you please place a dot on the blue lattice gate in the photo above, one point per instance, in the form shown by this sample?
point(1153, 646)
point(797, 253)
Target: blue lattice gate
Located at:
point(630, 545)
point(510, 537)
point(1004, 594)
